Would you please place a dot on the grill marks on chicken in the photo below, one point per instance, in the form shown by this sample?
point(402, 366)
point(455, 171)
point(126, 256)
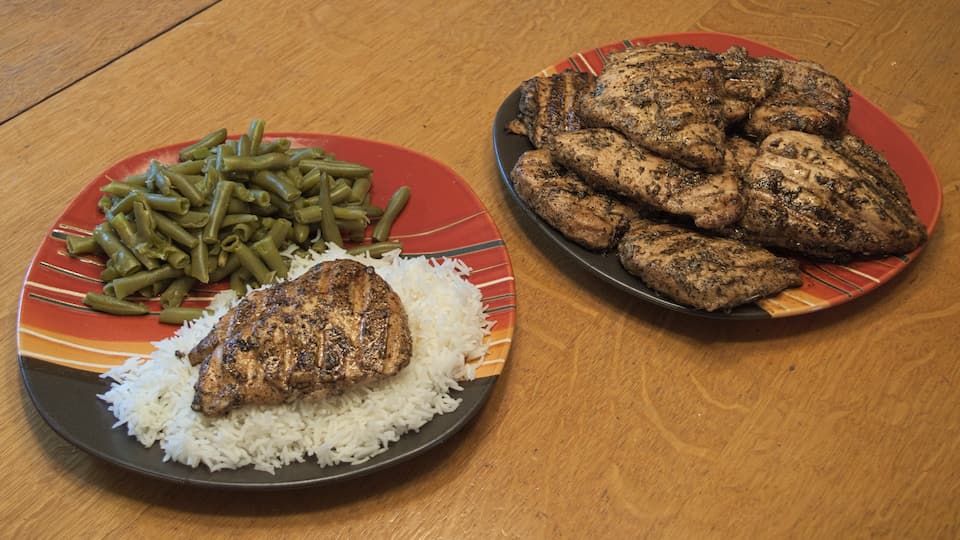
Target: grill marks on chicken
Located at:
point(703, 271)
point(337, 325)
point(807, 99)
point(606, 160)
point(664, 97)
point(548, 105)
point(593, 220)
point(747, 81)
point(671, 129)
point(833, 199)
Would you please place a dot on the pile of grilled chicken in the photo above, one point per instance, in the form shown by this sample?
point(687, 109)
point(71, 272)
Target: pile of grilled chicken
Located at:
point(690, 164)
point(337, 325)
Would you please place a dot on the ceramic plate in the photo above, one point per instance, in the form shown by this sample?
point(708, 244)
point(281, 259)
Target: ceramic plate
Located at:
point(824, 285)
point(64, 346)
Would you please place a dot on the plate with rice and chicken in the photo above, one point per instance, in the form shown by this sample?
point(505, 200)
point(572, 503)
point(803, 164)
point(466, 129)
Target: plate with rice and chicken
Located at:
point(352, 361)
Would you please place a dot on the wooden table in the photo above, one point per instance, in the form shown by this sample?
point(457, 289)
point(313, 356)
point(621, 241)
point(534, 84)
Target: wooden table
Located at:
point(613, 418)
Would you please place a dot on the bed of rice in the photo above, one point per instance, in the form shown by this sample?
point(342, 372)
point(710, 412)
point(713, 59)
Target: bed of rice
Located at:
point(152, 398)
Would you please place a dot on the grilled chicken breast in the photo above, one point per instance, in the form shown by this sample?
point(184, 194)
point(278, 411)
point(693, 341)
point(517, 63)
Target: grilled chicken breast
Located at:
point(593, 220)
point(832, 199)
point(703, 271)
point(747, 81)
point(606, 160)
point(807, 99)
point(548, 105)
point(666, 98)
point(337, 325)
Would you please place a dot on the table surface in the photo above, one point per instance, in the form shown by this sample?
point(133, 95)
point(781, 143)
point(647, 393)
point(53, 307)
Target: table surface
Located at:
point(612, 415)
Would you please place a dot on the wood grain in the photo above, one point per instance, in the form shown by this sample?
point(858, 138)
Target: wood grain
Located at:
point(613, 417)
point(46, 46)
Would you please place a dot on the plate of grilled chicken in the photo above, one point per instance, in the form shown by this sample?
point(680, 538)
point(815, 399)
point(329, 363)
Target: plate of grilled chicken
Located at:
point(716, 176)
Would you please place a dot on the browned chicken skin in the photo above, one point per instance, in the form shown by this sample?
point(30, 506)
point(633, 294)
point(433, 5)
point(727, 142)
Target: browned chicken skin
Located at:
point(337, 325)
point(746, 82)
point(548, 105)
point(807, 99)
point(832, 199)
point(593, 220)
point(609, 162)
point(703, 271)
point(666, 98)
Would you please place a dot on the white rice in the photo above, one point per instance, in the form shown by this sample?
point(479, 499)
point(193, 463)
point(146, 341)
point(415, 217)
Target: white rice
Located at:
point(447, 323)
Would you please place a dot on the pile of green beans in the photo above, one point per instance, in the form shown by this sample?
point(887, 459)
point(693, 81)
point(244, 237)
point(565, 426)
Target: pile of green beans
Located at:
point(226, 211)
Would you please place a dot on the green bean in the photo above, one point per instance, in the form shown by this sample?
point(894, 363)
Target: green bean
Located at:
point(328, 224)
point(229, 266)
point(397, 202)
point(339, 192)
point(146, 225)
point(183, 186)
point(218, 208)
point(105, 203)
point(155, 180)
point(301, 233)
point(275, 184)
point(109, 304)
point(109, 272)
point(199, 263)
point(244, 231)
point(298, 154)
point(180, 315)
point(206, 143)
point(336, 168)
point(173, 205)
point(377, 249)
point(81, 245)
point(127, 285)
point(243, 145)
point(255, 133)
point(270, 255)
point(311, 180)
point(280, 231)
point(177, 290)
point(117, 189)
point(352, 226)
point(276, 145)
point(123, 259)
point(233, 219)
point(124, 229)
point(294, 176)
point(372, 210)
point(350, 213)
point(175, 231)
point(361, 186)
point(249, 260)
point(308, 214)
point(188, 167)
point(271, 161)
point(239, 280)
point(236, 206)
point(136, 180)
point(193, 219)
point(259, 197)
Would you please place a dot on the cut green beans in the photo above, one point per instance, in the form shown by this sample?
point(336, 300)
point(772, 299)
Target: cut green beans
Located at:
point(232, 208)
point(115, 306)
point(397, 203)
point(376, 249)
point(180, 315)
point(81, 245)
